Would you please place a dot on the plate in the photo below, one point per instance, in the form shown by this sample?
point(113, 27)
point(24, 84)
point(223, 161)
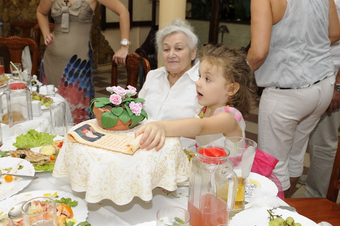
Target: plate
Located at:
point(80, 212)
point(150, 223)
point(7, 189)
point(7, 146)
point(256, 181)
point(259, 216)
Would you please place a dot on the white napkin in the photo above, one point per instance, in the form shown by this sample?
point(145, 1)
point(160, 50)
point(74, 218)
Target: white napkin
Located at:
point(40, 125)
point(263, 199)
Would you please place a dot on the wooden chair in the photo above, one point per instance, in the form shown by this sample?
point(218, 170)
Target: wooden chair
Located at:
point(16, 45)
point(24, 26)
point(132, 70)
point(322, 209)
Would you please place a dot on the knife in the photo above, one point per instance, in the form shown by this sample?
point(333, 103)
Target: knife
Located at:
point(287, 208)
point(22, 176)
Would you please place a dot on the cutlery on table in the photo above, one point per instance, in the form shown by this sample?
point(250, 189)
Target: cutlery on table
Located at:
point(18, 175)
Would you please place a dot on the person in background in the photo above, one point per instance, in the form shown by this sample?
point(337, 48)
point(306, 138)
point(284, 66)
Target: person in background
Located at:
point(290, 53)
point(170, 91)
point(68, 58)
point(224, 88)
point(323, 141)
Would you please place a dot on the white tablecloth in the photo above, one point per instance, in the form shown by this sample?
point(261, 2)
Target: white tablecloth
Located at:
point(119, 177)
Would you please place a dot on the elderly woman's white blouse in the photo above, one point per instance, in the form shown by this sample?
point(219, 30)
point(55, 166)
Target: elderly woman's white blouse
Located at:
point(165, 103)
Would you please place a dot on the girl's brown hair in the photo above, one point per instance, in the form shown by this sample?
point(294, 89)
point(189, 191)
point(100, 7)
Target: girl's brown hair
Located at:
point(236, 69)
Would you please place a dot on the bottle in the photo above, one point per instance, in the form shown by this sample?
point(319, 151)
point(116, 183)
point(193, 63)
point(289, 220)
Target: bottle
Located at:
point(1, 24)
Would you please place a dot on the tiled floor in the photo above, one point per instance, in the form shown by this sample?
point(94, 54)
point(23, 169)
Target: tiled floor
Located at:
point(102, 79)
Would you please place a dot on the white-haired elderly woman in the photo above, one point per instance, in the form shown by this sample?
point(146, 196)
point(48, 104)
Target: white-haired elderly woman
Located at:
point(170, 91)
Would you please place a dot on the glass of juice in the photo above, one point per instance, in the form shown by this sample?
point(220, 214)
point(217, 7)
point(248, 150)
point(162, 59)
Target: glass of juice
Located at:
point(242, 153)
point(173, 215)
point(2, 66)
point(39, 211)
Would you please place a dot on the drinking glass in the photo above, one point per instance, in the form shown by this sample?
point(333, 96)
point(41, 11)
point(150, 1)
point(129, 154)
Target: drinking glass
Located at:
point(5, 221)
point(50, 90)
point(2, 66)
point(173, 215)
point(39, 211)
point(58, 120)
point(242, 153)
point(15, 70)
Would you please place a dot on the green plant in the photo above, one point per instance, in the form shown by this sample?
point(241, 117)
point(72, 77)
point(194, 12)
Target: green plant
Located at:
point(120, 104)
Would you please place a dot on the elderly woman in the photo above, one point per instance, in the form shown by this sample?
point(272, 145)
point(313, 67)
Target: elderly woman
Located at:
point(170, 91)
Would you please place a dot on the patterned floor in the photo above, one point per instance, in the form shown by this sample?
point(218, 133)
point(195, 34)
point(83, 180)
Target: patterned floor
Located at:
point(102, 79)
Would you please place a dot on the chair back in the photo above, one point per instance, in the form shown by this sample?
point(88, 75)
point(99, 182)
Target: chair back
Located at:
point(16, 45)
point(334, 183)
point(25, 27)
point(134, 64)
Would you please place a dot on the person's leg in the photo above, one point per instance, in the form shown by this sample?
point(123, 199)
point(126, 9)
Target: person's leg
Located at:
point(321, 93)
point(323, 144)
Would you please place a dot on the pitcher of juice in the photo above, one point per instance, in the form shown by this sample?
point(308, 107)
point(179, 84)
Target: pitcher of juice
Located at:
point(212, 187)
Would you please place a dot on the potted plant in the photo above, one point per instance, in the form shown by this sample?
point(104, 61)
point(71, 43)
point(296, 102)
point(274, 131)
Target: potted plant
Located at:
point(119, 111)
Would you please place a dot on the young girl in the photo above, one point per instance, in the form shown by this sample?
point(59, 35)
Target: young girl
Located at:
point(224, 89)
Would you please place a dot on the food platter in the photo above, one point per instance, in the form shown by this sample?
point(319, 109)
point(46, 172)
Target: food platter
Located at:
point(4, 79)
point(260, 217)
point(7, 146)
point(8, 189)
point(80, 211)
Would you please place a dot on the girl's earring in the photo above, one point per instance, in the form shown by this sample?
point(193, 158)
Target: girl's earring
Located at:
point(229, 97)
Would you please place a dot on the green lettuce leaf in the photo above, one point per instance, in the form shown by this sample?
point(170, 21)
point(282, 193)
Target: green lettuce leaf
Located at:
point(33, 139)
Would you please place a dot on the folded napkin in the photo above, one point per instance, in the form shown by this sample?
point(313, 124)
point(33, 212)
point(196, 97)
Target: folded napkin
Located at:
point(40, 125)
point(264, 165)
point(91, 134)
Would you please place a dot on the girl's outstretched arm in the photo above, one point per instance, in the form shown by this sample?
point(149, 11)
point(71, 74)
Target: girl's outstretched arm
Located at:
point(154, 133)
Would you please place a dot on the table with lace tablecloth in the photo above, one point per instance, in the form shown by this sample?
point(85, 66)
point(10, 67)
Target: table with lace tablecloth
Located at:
point(104, 174)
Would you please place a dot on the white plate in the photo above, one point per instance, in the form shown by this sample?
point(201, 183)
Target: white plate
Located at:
point(7, 189)
point(80, 212)
point(7, 146)
point(262, 183)
point(260, 217)
point(150, 223)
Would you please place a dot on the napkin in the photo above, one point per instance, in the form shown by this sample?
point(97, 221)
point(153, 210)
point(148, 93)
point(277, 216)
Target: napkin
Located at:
point(40, 125)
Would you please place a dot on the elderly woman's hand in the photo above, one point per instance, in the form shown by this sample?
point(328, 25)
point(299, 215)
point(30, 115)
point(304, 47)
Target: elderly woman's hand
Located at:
point(153, 135)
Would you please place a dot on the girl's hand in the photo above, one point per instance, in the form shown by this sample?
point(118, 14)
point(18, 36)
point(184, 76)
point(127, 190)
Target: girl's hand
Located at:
point(153, 136)
point(48, 39)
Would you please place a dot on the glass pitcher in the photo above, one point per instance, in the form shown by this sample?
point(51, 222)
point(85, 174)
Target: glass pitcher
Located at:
point(18, 106)
point(212, 187)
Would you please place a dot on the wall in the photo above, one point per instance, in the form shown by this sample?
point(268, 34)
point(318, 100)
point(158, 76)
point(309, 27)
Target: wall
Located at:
point(238, 36)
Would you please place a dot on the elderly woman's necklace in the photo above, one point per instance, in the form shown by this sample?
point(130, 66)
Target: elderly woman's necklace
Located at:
point(203, 112)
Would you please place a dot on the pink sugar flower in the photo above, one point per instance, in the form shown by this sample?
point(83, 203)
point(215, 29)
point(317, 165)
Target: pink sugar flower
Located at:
point(131, 90)
point(136, 108)
point(119, 90)
point(115, 99)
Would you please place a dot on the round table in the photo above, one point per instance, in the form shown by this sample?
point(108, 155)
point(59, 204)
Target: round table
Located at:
point(104, 174)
